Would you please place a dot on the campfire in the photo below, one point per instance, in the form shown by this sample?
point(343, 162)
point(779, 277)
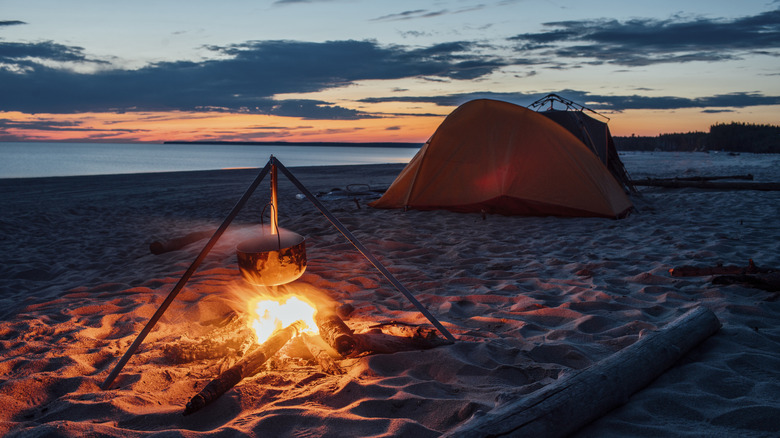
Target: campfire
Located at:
point(276, 320)
point(269, 262)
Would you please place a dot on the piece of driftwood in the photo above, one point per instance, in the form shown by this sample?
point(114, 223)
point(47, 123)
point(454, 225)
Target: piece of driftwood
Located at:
point(246, 367)
point(335, 332)
point(177, 243)
point(748, 177)
point(751, 275)
point(565, 406)
point(321, 355)
point(718, 185)
point(719, 269)
point(377, 341)
point(768, 281)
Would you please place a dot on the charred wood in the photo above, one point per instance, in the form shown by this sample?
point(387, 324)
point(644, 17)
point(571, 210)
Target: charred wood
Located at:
point(246, 367)
point(335, 332)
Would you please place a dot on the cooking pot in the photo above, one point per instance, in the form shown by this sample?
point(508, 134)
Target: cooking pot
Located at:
point(276, 257)
point(272, 259)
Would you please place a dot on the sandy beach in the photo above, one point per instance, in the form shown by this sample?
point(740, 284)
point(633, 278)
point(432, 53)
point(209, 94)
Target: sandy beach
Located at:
point(529, 299)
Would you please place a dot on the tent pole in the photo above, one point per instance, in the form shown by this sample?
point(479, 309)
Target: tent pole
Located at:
point(363, 250)
point(184, 278)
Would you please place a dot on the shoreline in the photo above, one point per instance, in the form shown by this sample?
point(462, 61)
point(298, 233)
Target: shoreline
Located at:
point(300, 143)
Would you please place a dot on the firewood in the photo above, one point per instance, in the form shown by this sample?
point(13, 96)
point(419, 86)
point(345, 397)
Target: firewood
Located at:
point(246, 367)
point(378, 342)
point(321, 356)
point(335, 332)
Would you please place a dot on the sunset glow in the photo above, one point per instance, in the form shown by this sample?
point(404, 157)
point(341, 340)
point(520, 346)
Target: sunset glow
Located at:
point(318, 71)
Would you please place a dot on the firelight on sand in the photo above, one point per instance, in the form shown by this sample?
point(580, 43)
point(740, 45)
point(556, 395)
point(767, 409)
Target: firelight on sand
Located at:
point(270, 315)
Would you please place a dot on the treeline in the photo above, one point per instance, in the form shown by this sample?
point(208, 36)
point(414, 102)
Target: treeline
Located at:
point(730, 137)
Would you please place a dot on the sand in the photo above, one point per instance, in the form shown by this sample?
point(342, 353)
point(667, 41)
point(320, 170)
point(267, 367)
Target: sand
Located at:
point(530, 299)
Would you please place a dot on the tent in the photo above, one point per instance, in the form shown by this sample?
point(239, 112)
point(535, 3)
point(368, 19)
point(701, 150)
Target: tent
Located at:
point(497, 157)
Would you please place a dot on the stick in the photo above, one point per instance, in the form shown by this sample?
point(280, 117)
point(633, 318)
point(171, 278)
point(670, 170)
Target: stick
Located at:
point(246, 367)
point(320, 355)
point(184, 278)
point(157, 247)
point(562, 408)
point(335, 332)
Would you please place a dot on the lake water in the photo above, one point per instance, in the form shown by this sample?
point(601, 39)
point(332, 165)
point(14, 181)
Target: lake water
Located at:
point(32, 159)
point(23, 160)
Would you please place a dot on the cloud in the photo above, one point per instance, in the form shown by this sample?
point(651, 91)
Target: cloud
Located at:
point(409, 15)
point(600, 102)
point(7, 126)
point(11, 22)
point(643, 41)
point(30, 53)
point(244, 78)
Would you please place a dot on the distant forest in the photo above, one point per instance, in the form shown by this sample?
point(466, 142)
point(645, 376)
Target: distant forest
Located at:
point(730, 137)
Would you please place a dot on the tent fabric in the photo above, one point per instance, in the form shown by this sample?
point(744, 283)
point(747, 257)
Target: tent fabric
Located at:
point(498, 157)
point(596, 136)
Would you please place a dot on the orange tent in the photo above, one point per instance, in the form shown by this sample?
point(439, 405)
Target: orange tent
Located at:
point(498, 157)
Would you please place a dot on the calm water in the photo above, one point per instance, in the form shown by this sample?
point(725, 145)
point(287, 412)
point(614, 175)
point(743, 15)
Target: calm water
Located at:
point(23, 160)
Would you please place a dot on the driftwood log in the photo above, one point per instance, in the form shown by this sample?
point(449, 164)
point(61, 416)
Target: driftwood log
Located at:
point(562, 408)
point(768, 282)
point(719, 269)
point(246, 367)
point(388, 338)
point(177, 243)
point(718, 185)
point(751, 275)
point(748, 177)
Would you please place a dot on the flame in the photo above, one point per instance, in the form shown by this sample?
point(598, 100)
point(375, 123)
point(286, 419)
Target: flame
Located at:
point(269, 315)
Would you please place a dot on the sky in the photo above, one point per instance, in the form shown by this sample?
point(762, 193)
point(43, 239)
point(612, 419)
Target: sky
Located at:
point(369, 70)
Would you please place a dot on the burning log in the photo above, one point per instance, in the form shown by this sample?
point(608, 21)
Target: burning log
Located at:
point(246, 367)
point(321, 355)
point(335, 332)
